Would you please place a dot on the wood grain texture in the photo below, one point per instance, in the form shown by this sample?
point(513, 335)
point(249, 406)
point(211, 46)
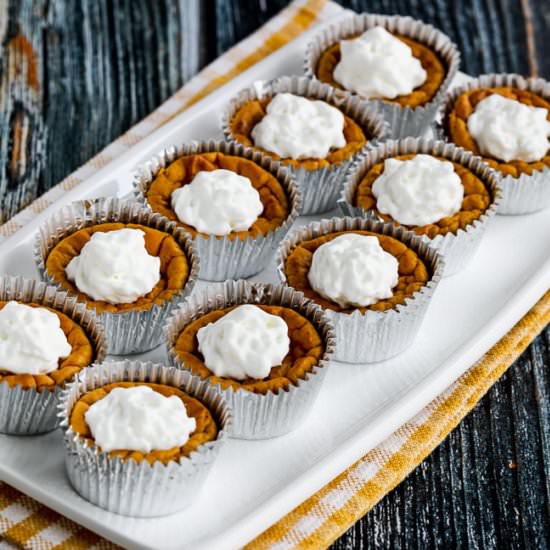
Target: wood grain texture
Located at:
point(75, 75)
point(487, 485)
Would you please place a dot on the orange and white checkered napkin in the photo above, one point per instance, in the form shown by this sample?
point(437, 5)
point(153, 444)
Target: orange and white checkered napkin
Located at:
point(327, 514)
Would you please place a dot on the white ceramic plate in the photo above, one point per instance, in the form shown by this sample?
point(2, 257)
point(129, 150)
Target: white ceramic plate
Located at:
point(253, 484)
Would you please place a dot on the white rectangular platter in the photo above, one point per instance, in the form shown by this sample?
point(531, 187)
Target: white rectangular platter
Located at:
point(253, 484)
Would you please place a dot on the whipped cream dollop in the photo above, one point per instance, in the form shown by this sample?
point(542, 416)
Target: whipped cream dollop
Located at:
point(379, 65)
point(31, 339)
point(353, 270)
point(298, 128)
point(509, 130)
point(115, 267)
point(418, 191)
point(218, 202)
point(139, 419)
point(245, 343)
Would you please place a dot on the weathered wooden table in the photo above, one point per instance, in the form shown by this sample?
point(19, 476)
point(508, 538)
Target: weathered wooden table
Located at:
point(75, 75)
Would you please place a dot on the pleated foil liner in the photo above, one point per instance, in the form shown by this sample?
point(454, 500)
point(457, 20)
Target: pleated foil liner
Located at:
point(527, 193)
point(320, 188)
point(457, 249)
point(29, 411)
point(127, 331)
point(259, 416)
point(125, 486)
point(403, 121)
point(374, 335)
point(223, 258)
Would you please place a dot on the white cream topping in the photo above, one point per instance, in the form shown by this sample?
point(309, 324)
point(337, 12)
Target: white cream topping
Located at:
point(298, 128)
point(509, 130)
point(31, 339)
point(418, 191)
point(353, 270)
point(245, 343)
point(378, 65)
point(218, 202)
point(139, 419)
point(115, 267)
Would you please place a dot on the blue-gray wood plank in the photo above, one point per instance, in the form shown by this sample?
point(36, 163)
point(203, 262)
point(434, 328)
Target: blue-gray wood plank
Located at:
point(75, 75)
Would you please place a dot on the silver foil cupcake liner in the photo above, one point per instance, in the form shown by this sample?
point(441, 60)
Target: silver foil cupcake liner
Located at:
point(127, 331)
point(128, 487)
point(520, 195)
point(403, 121)
point(223, 258)
point(259, 416)
point(374, 335)
point(320, 188)
point(27, 411)
point(457, 249)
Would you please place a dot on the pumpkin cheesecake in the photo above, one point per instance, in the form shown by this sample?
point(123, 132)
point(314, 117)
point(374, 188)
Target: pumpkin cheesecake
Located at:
point(523, 115)
point(465, 199)
point(112, 266)
point(408, 272)
point(282, 112)
point(247, 200)
point(302, 348)
point(377, 62)
point(198, 424)
point(49, 349)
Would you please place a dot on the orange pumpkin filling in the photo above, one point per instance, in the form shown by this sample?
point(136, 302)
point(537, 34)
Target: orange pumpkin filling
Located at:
point(413, 272)
point(206, 427)
point(82, 355)
point(306, 350)
point(423, 94)
point(182, 171)
point(174, 266)
point(456, 127)
point(251, 113)
point(476, 200)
